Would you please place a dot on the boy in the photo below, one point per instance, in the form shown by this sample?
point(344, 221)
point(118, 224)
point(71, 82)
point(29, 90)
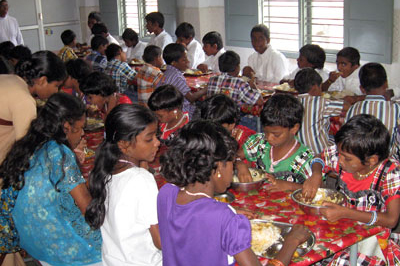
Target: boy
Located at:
point(155, 24)
point(175, 57)
point(101, 29)
point(119, 70)
point(346, 78)
point(214, 48)
point(317, 110)
point(133, 46)
point(18, 53)
point(373, 83)
point(310, 55)
point(266, 63)
point(93, 18)
point(230, 84)
point(97, 59)
point(149, 74)
point(277, 151)
point(68, 37)
point(185, 35)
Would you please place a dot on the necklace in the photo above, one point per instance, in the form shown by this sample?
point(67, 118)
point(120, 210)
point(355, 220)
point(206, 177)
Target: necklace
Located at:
point(195, 194)
point(127, 162)
point(363, 176)
point(176, 125)
point(271, 156)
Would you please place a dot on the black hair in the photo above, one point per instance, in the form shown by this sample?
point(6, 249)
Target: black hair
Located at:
point(185, 30)
point(363, 136)
point(98, 83)
point(165, 97)
point(5, 49)
point(48, 125)
point(172, 52)
point(305, 79)
point(20, 52)
point(228, 61)
point(42, 63)
point(3, 67)
point(78, 69)
point(99, 28)
point(150, 53)
point(372, 76)
point(212, 38)
point(112, 51)
point(123, 123)
point(130, 34)
point(283, 110)
point(97, 41)
point(314, 54)
point(261, 28)
point(350, 54)
point(67, 37)
point(155, 17)
point(95, 15)
point(220, 109)
point(194, 153)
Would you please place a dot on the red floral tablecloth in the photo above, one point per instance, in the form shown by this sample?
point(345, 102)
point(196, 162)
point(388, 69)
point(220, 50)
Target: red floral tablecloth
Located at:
point(93, 139)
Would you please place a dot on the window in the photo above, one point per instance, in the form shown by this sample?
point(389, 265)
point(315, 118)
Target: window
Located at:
point(294, 23)
point(133, 13)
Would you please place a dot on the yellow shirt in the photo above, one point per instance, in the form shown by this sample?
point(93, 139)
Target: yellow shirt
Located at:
point(67, 53)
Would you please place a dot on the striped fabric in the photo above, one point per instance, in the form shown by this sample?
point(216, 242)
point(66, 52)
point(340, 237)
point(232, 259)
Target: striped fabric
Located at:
point(121, 72)
point(146, 79)
point(386, 111)
point(315, 127)
point(67, 53)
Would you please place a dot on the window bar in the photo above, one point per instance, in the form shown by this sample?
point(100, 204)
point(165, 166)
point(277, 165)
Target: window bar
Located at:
point(141, 14)
point(308, 22)
point(301, 23)
point(123, 24)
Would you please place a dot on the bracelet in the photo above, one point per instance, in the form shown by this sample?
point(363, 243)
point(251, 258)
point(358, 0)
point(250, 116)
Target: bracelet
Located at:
point(374, 218)
point(317, 160)
point(275, 262)
point(238, 159)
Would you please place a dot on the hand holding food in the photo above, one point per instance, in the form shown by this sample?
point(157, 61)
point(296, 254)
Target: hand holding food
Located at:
point(333, 76)
point(333, 212)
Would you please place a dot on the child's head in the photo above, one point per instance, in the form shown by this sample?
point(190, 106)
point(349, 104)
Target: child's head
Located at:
point(372, 78)
point(311, 55)
point(347, 60)
point(44, 72)
point(281, 118)
point(93, 18)
point(152, 55)
point(77, 70)
point(212, 43)
point(130, 37)
point(222, 110)
point(260, 38)
point(130, 135)
point(200, 151)
point(18, 53)
point(362, 142)
point(100, 29)
point(185, 33)
point(229, 62)
point(97, 87)
point(115, 51)
point(307, 80)
point(154, 21)
point(68, 37)
point(175, 54)
point(165, 102)
point(5, 49)
point(99, 44)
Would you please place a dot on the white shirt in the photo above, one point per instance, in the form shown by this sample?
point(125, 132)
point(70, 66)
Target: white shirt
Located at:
point(134, 52)
point(324, 73)
point(111, 39)
point(9, 30)
point(131, 207)
point(270, 66)
point(161, 40)
point(195, 53)
point(351, 83)
point(212, 61)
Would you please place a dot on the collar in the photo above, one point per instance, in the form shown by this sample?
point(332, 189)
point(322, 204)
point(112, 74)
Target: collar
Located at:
point(172, 68)
point(375, 97)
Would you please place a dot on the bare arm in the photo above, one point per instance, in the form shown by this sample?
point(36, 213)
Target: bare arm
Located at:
point(194, 96)
point(81, 196)
point(155, 235)
point(247, 258)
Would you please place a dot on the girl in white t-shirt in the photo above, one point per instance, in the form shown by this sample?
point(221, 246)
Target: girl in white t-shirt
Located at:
point(124, 204)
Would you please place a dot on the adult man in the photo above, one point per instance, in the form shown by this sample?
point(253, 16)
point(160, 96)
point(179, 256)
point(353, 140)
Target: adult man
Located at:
point(9, 29)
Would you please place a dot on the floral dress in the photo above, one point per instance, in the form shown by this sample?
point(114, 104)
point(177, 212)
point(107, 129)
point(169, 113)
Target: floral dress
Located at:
point(9, 239)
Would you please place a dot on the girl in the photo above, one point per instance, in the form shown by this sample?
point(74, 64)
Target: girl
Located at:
point(77, 70)
point(371, 182)
point(42, 171)
point(195, 229)
point(124, 194)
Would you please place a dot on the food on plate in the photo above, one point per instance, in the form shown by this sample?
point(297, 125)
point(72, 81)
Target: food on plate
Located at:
point(136, 61)
point(337, 94)
point(256, 175)
point(321, 196)
point(195, 72)
point(89, 153)
point(40, 102)
point(226, 197)
point(284, 87)
point(263, 235)
point(222, 199)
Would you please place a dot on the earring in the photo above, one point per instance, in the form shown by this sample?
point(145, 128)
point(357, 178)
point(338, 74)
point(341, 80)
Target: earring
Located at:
point(219, 175)
point(176, 114)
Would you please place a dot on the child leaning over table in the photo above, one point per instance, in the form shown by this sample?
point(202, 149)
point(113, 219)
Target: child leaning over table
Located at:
point(277, 151)
point(371, 183)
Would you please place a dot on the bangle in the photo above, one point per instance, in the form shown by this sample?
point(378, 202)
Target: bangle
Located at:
point(275, 262)
point(374, 218)
point(238, 159)
point(317, 160)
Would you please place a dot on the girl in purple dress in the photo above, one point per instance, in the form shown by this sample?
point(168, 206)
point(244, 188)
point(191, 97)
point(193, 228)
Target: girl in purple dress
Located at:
point(195, 229)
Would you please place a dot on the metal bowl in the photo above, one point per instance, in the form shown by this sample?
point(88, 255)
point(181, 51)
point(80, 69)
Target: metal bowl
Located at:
point(226, 197)
point(245, 187)
point(314, 207)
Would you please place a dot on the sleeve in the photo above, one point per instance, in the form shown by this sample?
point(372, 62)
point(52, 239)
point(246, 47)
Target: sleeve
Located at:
point(248, 95)
point(391, 185)
point(279, 67)
point(23, 112)
point(332, 108)
point(20, 40)
point(331, 159)
point(181, 85)
point(236, 234)
point(250, 147)
point(147, 205)
point(128, 72)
